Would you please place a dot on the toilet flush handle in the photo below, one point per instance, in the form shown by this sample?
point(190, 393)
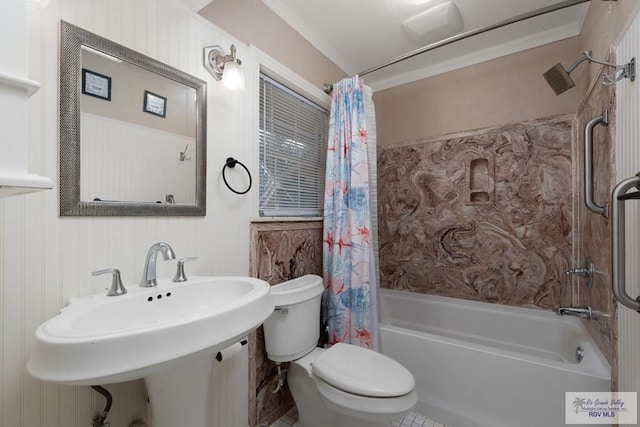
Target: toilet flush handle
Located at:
point(282, 310)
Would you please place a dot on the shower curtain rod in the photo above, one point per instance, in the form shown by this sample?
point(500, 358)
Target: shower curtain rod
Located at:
point(544, 10)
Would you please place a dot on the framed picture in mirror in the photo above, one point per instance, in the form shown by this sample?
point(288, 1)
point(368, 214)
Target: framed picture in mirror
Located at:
point(96, 84)
point(155, 104)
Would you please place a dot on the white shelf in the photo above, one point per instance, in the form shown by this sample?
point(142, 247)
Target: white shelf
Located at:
point(31, 86)
point(13, 185)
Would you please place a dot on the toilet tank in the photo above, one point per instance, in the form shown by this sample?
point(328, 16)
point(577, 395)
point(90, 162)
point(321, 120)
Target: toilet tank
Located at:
point(293, 328)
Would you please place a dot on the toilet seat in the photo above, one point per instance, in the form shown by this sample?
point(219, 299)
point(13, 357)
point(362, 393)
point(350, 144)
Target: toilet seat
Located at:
point(379, 409)
point(362, 372)
point(339, 408)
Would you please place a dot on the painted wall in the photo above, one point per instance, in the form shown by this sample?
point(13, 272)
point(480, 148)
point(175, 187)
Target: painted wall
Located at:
point(128, 83)
point(254, 23)
point(493, 93)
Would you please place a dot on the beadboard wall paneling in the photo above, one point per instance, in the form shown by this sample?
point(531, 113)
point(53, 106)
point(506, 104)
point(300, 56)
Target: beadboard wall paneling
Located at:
point(628, 164)
point(118, 156)
point(45, 259)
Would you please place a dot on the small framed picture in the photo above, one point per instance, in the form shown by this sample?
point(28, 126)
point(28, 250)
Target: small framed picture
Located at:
point(96, 84)
point(154, 104)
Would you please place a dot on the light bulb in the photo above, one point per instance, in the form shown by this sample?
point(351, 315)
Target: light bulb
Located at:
point(232, 77)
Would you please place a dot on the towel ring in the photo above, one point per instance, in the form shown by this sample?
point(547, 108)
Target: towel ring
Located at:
point(231, 163)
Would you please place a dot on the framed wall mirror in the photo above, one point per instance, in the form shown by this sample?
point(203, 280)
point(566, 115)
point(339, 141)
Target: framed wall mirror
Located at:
point(132, 132)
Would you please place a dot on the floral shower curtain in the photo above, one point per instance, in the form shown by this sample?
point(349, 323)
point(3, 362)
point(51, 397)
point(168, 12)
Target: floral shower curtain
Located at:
point(349, 228)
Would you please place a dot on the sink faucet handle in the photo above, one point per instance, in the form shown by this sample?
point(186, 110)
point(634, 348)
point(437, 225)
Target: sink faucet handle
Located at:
point(180, 276)
point(116, 282)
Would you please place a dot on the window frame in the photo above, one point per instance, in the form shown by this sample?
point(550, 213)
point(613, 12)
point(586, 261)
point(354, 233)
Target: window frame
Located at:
point(288, 78)
point(293, 136)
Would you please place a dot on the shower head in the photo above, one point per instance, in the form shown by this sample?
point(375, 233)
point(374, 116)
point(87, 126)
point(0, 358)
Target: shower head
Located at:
point(558, 78)
point(560, 81)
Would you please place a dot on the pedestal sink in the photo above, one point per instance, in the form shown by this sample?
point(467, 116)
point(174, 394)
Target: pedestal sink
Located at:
point(166, 334)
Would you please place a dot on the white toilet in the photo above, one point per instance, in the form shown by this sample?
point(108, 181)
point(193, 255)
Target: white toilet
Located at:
point(342, 386)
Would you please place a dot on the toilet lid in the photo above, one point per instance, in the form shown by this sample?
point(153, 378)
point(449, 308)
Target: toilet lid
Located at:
point(362, 371)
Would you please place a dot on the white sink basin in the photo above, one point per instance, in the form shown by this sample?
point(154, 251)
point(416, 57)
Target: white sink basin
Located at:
point(101, 340)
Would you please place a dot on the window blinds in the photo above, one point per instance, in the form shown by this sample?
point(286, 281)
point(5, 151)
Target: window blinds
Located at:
point(293, 140)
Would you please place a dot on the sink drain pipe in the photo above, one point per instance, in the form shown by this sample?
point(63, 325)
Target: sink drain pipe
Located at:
point(98, 420)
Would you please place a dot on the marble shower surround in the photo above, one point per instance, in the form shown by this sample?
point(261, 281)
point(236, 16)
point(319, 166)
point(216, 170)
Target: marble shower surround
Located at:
point(280, 251)
point(484, 215)
point(593, 231)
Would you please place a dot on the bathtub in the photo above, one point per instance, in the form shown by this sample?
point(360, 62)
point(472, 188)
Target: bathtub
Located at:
point(488, 365)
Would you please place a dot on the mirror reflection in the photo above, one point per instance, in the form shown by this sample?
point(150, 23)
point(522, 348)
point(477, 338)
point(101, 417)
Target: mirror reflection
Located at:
point(139, 148)
point(136, 127)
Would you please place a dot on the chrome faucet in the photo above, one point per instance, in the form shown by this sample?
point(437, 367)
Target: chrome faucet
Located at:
point(149, 272)
point(586, 271)
point(582, 312)
point(180, 276)
point(116, 282)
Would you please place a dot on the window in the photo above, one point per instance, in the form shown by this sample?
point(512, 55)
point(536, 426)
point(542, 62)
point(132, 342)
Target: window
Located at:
point(293, 140)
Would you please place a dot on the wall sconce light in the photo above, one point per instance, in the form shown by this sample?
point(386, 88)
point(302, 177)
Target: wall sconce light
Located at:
point(224, 67)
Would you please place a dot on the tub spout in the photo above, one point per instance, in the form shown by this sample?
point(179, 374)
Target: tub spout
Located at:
point(582, 312)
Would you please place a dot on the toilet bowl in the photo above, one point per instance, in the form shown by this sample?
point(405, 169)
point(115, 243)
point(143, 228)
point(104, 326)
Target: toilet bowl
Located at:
point(342, 386)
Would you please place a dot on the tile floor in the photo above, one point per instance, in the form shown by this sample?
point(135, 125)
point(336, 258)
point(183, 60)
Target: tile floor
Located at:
point(416, 420)
point(287, 419)
point(411, 420)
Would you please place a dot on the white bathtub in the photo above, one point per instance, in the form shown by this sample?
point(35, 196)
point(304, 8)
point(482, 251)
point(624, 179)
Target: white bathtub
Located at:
point(489, 365)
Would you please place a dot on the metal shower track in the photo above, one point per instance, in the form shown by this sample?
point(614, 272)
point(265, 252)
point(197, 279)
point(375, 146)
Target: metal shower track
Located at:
point(471, 33)
point(518, 18)
point(542, 11)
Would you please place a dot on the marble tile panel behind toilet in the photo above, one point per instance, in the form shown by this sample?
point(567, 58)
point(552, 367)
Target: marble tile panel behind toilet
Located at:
point(280, 251)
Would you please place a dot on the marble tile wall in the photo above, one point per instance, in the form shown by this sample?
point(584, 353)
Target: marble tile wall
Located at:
point(280, 251)
point(484, 215)
point(593, 231)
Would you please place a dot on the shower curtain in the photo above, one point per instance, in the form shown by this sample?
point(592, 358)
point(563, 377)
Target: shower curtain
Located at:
point(350, 256)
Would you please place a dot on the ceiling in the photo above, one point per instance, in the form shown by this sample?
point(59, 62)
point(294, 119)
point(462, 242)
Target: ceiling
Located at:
point(361, 34)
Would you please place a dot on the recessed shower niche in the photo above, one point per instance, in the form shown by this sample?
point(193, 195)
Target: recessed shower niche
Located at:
point(480, 185)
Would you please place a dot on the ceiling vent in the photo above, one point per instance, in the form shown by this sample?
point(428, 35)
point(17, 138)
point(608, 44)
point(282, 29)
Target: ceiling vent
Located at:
point(434, 24)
